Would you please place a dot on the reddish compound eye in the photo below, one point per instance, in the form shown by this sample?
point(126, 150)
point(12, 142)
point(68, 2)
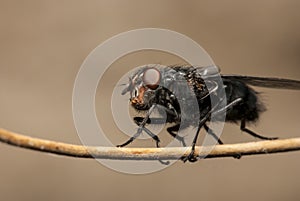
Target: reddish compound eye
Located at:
point(151, 78)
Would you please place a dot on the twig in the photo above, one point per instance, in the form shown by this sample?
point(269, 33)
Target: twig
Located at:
point(172, 153)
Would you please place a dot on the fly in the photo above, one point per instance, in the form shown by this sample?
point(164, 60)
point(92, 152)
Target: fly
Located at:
point(152, 88)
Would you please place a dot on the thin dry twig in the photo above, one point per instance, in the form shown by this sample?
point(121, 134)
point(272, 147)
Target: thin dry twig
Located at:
point(172, 153)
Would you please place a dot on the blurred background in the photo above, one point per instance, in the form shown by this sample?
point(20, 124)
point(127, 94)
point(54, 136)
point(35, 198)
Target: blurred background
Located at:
point(43, 44)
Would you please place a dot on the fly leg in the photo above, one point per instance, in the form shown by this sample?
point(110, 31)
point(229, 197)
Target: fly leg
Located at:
point(171, 130)
point(191, 157)
point(176, 136)
point(140, 129)
point(243, 128)
point(211, 132)
point(136, 135)
point(138, 121)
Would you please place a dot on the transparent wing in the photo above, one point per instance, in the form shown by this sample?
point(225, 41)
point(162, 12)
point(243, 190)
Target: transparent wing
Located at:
point(268, 82)
point(206, 72)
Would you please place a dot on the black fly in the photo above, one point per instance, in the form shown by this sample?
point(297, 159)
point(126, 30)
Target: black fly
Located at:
point(151, 88)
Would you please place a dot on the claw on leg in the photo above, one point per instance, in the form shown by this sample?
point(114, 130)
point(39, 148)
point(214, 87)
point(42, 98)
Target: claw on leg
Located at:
point(191, 157)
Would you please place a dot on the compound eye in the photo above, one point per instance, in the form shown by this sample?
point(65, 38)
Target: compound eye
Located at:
point(151, 78)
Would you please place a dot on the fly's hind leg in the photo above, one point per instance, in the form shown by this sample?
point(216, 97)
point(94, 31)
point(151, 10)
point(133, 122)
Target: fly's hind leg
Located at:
point(191, 157)
point(211, 132)
point(243, 128)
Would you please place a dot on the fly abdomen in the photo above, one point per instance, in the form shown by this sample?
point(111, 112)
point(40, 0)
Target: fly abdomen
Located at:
point(250, 105)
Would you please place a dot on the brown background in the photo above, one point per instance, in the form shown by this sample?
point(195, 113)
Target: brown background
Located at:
point(43, 44)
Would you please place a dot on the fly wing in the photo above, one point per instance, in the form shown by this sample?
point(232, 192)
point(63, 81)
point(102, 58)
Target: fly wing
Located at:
point(207, 72)
point(206, 80)
point(268, 82)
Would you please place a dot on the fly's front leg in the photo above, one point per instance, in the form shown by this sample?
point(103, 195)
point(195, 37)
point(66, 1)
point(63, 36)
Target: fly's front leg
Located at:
point(173, 129)
point(138, 121)
point(136, 135)
point(141, 128)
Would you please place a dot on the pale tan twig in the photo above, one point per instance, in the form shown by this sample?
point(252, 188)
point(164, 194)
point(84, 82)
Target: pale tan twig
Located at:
point(251, 148)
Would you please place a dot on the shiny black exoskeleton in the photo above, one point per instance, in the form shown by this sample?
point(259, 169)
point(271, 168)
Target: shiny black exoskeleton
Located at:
point(190, 95)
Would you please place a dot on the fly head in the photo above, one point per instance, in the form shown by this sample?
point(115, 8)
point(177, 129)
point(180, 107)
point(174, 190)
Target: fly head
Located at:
point(143, 86)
